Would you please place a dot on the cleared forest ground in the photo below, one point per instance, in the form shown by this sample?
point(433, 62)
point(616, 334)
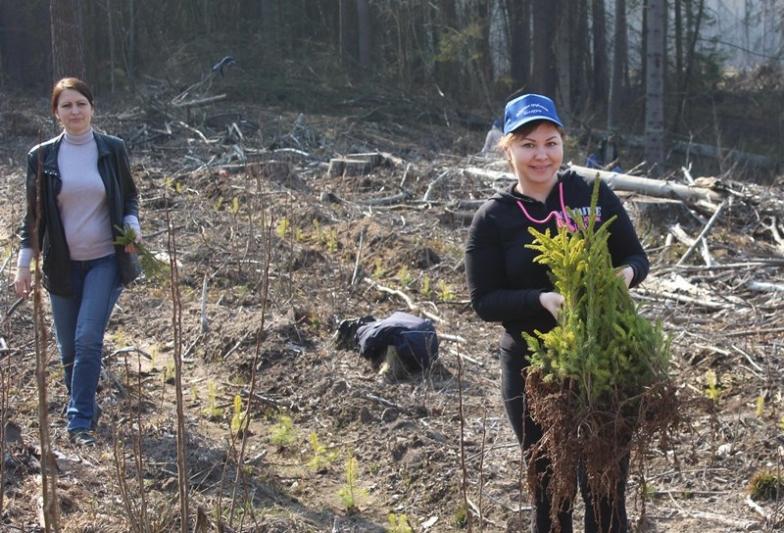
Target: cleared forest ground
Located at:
point(244, 187)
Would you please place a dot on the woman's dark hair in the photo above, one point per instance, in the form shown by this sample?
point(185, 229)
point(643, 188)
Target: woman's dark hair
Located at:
point(75, 84)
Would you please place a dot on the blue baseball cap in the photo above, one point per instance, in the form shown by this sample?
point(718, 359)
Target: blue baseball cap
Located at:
point(527, 108)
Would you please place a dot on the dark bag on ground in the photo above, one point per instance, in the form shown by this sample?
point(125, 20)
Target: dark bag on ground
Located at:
point(414, 339)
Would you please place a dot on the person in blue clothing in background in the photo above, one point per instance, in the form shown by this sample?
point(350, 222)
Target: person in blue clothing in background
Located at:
point(506, 285)
point(606, 155)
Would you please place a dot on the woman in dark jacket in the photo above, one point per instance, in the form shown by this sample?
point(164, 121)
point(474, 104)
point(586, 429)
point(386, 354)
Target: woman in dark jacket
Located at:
point(507, 286)
point(87, 195)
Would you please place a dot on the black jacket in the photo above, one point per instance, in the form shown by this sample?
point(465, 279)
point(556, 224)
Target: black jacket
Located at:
point(504, 281)
point(122, 198)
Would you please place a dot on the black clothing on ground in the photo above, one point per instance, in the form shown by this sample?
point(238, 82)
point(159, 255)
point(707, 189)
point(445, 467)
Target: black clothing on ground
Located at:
point(414, 338)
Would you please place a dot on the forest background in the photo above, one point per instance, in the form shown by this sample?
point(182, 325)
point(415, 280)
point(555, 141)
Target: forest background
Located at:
point(716, 64)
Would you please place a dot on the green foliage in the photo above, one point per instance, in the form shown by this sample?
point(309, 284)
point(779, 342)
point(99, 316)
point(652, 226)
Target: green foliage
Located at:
point(404, 276)
point(766, 485)
point(322, 457)
point(398, 524)
point(712, 387)
point(378, 268)
point(601, 343)
point(168, 371)
point(331, 240)
point(445, 292)
point(153, 268)
point(282, 433)
point(238, 416)
point(317, 233)
point(350, 493)
point(425, 288)
point(212, 411)
point(282, 228)
point(759, 406)
point(235, 206)
point(460, 518)
point(461, 45)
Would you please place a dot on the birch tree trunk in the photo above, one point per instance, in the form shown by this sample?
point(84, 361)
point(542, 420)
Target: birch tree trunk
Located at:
point(654, 87)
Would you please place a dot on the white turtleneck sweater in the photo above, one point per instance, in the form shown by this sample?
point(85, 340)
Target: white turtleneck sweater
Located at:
point(82, 199)
point(82, 202)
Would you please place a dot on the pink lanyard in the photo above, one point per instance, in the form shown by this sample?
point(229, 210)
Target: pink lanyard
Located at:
point(561, 219)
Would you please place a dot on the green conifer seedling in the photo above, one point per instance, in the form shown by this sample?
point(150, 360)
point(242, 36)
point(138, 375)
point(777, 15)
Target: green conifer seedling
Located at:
point(601, 343)
point(153, 268)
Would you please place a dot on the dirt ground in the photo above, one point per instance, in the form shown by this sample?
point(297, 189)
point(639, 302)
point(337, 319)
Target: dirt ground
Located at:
point(274, 252)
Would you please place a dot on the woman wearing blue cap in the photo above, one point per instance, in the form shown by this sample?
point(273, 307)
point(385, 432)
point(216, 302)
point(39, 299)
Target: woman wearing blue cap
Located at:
point(507, 286)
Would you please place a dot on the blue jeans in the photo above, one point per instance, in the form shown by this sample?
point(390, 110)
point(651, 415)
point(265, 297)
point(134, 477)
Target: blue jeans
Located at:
point(80, 321)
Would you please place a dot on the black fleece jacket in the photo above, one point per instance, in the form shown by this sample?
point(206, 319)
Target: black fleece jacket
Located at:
point(504, 281)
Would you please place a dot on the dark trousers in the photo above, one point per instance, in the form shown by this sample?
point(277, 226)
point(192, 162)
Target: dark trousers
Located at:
point(607, 516)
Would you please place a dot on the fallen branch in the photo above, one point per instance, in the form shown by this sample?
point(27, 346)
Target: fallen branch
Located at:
point(702, 234)
point(683, 299)
point(406, 298)
point(388, 200)
point(764, 286)
point(757, 508)
point(432, 185)
point(200, 101)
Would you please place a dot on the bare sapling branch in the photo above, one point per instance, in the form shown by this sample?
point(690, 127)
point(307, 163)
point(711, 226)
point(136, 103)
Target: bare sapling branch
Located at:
point(51, 507)
point(182, 458)
point(267, 229)
point(464, 475)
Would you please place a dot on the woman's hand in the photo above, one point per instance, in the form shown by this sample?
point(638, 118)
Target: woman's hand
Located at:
point(552, 301)
point(627, 273)
point(23, 282)
point(137, 233)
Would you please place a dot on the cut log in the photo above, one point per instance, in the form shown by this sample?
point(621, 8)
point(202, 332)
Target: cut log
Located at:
point(650, 187)
point(621, 182)
point(350, 167)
